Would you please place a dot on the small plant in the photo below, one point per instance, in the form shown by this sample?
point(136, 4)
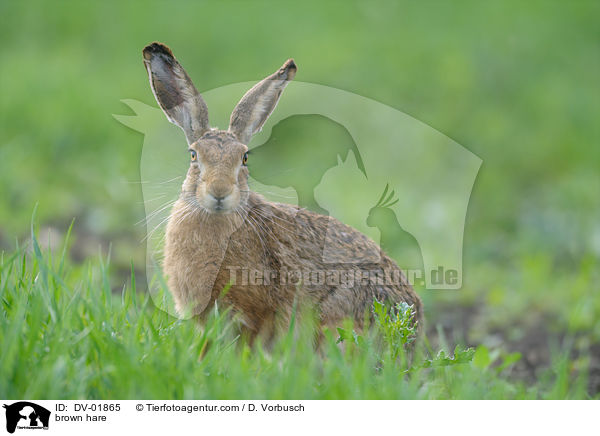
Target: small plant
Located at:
point(397, 330)
point(396, 324)
point(400, 331)
point(461, 355)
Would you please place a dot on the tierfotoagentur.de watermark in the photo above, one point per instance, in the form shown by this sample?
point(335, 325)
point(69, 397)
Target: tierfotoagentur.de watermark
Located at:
point(345, 278)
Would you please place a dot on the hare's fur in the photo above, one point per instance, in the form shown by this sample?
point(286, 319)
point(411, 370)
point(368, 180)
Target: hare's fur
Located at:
point(218, 229)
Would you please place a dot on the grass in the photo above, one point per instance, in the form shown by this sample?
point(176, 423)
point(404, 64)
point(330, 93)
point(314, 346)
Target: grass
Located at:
point(64, 334)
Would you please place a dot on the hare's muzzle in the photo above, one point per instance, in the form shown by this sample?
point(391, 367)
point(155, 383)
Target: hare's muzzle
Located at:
point(219, 203)
point(221, 199)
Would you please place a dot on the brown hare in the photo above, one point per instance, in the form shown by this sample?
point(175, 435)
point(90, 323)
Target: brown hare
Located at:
point(220, 233)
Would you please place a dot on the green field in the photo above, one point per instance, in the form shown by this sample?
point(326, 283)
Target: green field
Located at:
point(65, 334)
point(515, 83)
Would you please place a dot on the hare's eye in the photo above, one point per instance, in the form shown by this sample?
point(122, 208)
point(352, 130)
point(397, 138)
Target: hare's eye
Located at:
point(193, 155)
point(245, 158)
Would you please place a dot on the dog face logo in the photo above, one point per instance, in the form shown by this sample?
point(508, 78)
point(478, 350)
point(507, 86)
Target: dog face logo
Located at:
point(26, 415)
point(335, 153)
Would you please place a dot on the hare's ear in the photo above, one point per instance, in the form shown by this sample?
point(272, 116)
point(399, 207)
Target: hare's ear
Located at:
point(257, 104)
point(174, 91)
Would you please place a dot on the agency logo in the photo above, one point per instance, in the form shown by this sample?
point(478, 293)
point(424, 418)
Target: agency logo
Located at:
point(26, 415)
point(388, 175)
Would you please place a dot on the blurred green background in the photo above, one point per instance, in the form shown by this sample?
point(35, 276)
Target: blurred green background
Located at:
point(514, 82)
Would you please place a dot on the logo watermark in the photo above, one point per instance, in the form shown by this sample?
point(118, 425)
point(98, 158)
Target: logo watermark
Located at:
point(24, 415)
point(395, 179)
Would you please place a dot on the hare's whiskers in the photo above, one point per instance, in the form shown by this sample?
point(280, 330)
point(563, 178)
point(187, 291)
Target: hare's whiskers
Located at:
point(169, 181)
point(252, 223)
point(274, 194)
point(148, 182)
point(152, 214)
point(150, 200)
point(271, 218)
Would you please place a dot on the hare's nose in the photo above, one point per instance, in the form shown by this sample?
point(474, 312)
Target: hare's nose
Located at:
point(219, 195)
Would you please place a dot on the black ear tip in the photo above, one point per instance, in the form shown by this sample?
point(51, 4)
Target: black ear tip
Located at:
point(288, 70)
point(156, 48)
point(290, 64)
